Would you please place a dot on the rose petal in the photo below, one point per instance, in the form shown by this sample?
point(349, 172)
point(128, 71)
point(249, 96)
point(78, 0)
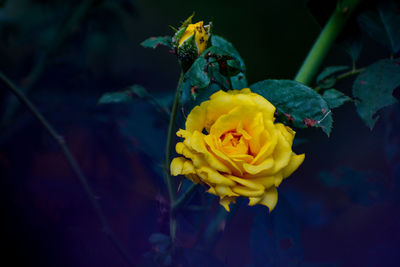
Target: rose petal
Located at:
point(225, 201)
point(247, 183)
point(294, 163)
point(270, 198)
point(177, 165)
point(196, 142)
point(209, 139)
point(267, 164)
point(224, 191)
point(211, 176)
point(196, 118)
point(268, 140)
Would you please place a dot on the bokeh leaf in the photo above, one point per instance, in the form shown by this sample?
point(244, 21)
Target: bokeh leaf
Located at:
point(374, 87)
point(383, 25)
point(362, 187)
point(353, 46)
point(134, 91)
point(154, 42)
point(335, 98)
point(301, 105)
point(275, 238)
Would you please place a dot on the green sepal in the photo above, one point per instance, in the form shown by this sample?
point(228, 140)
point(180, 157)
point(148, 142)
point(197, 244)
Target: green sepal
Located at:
point(187, 52)
point(188, 21)
point(177, 36)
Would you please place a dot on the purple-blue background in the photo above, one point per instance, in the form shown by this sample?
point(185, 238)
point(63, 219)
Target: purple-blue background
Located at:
point(345, 197)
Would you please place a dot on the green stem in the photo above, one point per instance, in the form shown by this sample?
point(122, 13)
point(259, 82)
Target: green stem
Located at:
point(183, 198)
point(168, 155)
point(217, 227)
point(325, 40)
point(74, 165)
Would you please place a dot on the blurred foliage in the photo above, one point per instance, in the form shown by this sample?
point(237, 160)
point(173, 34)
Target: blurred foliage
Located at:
point(373, 89)
point(91, 81)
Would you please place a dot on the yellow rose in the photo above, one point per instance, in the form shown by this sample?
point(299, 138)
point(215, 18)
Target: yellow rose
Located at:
point(199, 33)
point(232, 145)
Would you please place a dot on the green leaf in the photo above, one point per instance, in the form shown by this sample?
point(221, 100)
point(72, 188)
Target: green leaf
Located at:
point(335, 98)
point(209, 65)
point(327, 78)
point(374, 87)
point(383, 25)
point(154, 42)
point(226, 46)
point(239, 81)
point(301, 105)
point(197, 74)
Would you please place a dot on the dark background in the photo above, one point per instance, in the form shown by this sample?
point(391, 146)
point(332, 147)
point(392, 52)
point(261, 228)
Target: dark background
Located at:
point(47, 218)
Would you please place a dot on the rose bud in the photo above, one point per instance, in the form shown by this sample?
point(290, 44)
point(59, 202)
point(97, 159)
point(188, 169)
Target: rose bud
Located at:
point(190, 41)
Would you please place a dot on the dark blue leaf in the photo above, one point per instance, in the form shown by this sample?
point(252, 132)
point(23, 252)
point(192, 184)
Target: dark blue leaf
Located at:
point(275, 238)
point(362, 187)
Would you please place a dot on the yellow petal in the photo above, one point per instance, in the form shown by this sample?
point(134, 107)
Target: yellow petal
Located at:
point(222, 103)
point(177, 165)
point(211, 176)
point(294, 163)
point(254, 200)
point(255, 169)
point(256, 127)
point(223, 191)
point(265, 106)
point(266, 181)
point(222, 157)
point(198, 145)
point(247, 192)
point(287, 132)
point(197, 158)
point(196, 118)
point(270, 198)
point(188, 168)
point(211, 190)
point(282, 153)
point(245, 182)
point(193, 177)
point(226, 201)
point(268, 140)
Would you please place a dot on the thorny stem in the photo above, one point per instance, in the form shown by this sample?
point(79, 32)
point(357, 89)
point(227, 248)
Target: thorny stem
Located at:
point(325, 40)
point(349, 73)
point(344, 75)
point(168, 155)
point(184, 197)
point(70, 24)
point(217, 226)
point(74, 165)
